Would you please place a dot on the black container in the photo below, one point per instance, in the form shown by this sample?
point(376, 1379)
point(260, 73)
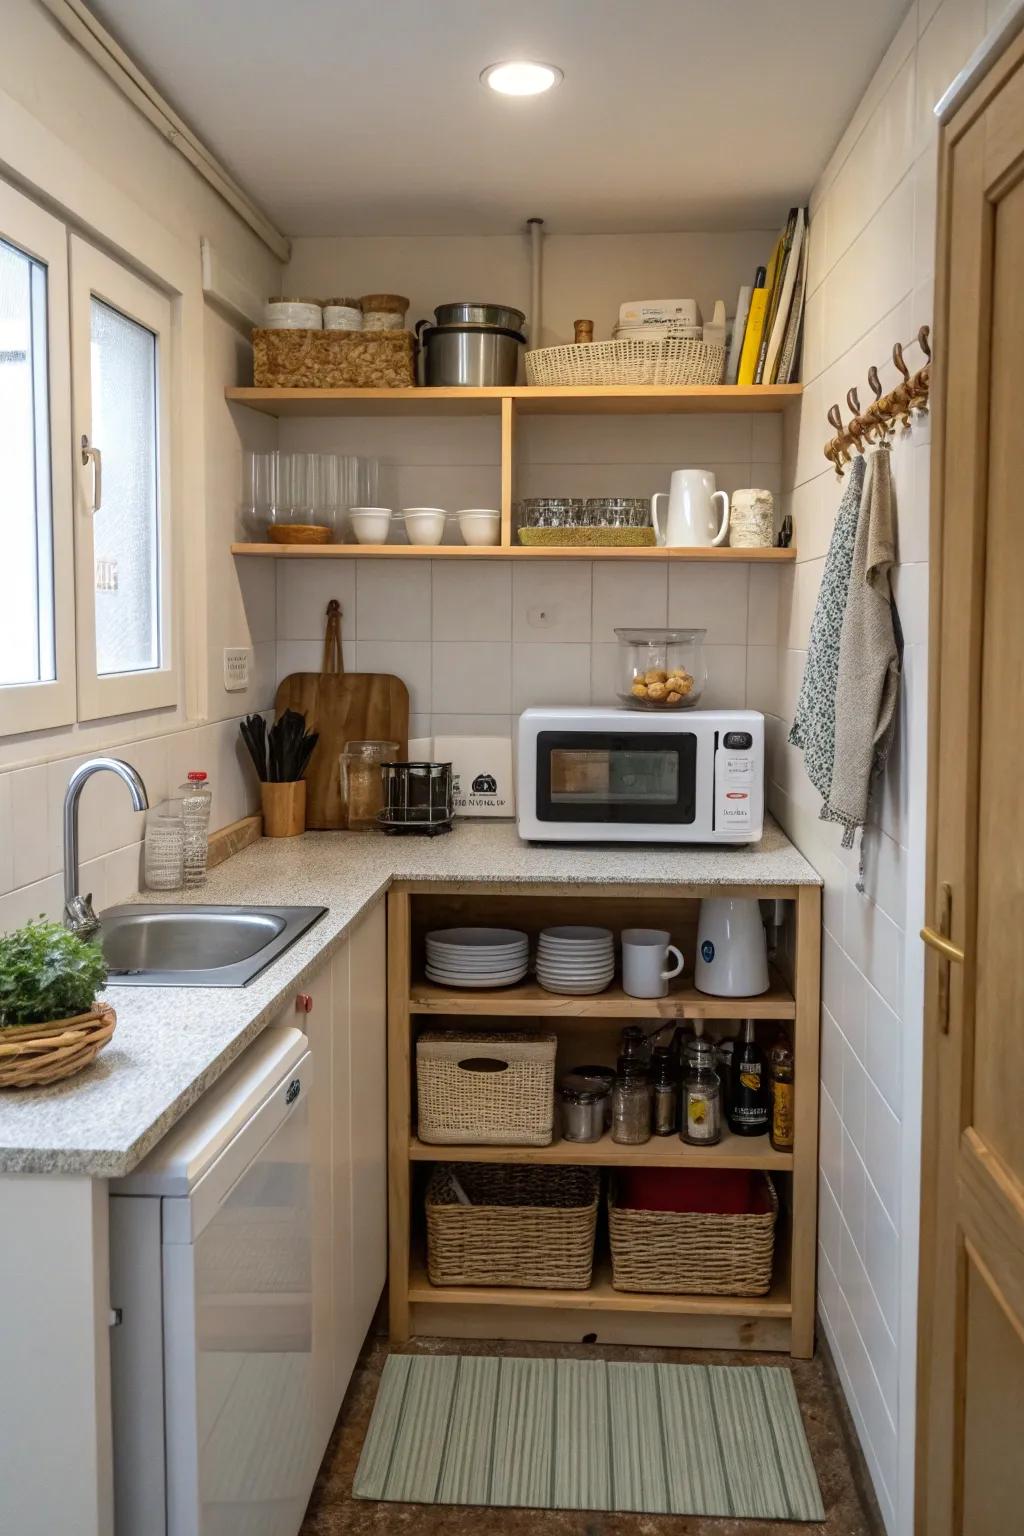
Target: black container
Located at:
point(417, 798)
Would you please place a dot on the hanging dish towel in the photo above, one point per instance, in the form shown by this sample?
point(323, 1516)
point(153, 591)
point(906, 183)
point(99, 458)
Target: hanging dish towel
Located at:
point(814, 725)
point(870, 657)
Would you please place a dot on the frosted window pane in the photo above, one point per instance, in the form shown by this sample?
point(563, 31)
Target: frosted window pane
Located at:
point(126, 531)
point(26, 569)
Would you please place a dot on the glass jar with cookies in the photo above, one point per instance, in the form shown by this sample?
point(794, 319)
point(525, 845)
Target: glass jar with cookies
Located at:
point(661, 668)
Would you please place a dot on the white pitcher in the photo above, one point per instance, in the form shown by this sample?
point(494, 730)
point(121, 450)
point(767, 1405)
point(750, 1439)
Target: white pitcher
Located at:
point(691, 511)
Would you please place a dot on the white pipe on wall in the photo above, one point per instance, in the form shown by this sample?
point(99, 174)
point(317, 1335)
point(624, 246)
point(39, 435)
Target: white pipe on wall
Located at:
point(536, 228)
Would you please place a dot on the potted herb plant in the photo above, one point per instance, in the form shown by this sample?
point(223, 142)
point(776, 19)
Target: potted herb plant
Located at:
point(50, 1022)
point(281, 756)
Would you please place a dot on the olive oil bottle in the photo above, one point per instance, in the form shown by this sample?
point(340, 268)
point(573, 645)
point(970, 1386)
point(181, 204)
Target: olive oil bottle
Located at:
point(749, 1089)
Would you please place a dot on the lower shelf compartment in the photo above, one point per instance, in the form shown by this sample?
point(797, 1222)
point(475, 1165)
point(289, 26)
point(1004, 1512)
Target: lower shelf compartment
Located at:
point(659, 1152)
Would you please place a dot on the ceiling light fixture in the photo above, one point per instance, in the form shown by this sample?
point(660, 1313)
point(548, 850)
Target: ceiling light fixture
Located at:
point(521, 77)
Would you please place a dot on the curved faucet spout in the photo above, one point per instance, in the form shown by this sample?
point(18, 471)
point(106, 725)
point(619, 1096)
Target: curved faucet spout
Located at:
point(78, 913)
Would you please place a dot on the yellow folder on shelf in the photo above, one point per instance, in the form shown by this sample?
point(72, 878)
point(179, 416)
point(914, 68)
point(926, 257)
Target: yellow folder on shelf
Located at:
point(752, 336)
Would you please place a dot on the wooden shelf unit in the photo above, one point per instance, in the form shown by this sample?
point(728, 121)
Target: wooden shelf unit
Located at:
point(509, 406)
point(783, 1320)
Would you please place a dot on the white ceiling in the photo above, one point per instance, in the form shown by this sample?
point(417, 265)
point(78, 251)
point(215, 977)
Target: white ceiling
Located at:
point(366, 117)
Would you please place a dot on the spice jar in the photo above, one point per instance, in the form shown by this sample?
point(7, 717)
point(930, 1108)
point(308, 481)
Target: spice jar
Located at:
point(631, 1103)
point(582, 1102)
point(342, 315)
point(362, 786)
point(603, 1079)
point(702, 1097)
point(665, 1106)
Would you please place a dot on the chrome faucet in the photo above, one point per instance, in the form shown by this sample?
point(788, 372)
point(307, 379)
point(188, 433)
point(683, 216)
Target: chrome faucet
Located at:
point(78, 912)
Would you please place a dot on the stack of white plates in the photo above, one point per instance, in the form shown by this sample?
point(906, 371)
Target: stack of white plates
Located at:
point(477, 957)
point(576, 960)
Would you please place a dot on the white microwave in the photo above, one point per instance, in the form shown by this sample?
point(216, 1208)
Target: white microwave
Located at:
point(623, 775)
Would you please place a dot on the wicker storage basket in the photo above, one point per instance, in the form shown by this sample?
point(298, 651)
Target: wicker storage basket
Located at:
point(333, 359)
point(32, 1055)
point(528, 1226)
point(493, 1090)
point(693, 1252)
point(626, 362)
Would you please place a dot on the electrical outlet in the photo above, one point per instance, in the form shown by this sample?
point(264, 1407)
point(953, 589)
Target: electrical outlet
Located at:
point(236, 669)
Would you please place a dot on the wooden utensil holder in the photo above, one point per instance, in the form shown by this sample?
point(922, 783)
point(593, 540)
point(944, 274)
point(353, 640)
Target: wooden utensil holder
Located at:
point(284, 809)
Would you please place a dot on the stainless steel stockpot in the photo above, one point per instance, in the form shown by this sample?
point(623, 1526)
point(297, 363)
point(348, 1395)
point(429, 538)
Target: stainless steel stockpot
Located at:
point(471, 312)
point(469, 356)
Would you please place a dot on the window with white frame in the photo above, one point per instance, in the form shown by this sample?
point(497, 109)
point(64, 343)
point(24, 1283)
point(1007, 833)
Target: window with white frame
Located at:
point(85, 581)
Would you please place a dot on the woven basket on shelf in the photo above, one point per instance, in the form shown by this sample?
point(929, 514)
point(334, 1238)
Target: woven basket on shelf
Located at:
point(528, 1226)
point(693, 1252)
point(333, 359)
point(675, 361)
point(476, 1089)
point(32, 1055)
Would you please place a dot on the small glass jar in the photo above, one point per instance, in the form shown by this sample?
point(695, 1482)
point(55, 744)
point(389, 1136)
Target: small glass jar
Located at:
point(164, 857)
point(665, 1105)
point(603, 1079)
point(631, 1103)
point(702, 1098)
point(362, 784)
point(582, 1104)
point(661, 668)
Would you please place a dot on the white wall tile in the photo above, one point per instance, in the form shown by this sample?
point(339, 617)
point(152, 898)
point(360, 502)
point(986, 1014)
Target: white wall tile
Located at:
point(551, 602)
point(606, 666)
point(882, 1048)
point(727, 677)
point(628, 597)
point(471, 602)
point(308, 655)
point(549, 673)
point(882, 1257)
point(474, 725)
point(763, 605)
point(946, 43)
point(702, 596)
point(882, 1151)
point(304, 588)
point(472, 677)
point(393, 600)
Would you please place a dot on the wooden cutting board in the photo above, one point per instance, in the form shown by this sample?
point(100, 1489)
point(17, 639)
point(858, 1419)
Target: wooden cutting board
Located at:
point(342, 706)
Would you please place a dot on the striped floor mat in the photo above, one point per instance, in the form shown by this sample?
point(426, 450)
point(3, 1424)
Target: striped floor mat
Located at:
point(585, 1434)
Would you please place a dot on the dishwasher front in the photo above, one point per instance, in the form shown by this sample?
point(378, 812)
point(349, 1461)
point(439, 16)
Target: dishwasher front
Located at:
point(211, 1291)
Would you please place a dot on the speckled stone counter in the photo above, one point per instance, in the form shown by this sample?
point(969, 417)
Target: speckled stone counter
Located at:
point(173, 1042)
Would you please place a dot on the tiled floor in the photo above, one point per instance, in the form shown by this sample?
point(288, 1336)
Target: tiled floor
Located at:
point(333, 1511)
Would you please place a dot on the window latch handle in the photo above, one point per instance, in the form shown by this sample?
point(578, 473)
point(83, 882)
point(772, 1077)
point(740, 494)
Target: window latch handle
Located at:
point(93, 456)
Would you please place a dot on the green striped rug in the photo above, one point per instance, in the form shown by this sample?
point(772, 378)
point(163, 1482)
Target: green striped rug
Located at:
point(585, 1434)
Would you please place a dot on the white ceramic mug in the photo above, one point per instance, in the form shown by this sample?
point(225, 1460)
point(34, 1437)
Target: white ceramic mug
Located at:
point(644, 953)
point(732, 956)
point(691, 521)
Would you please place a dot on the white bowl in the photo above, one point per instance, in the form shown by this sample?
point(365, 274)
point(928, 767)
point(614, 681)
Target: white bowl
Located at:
point(479, 525)
point(371, 525)
point(424, 525)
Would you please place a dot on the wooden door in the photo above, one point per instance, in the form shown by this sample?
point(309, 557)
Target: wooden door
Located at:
point(368, 1065)
point(971, 1325)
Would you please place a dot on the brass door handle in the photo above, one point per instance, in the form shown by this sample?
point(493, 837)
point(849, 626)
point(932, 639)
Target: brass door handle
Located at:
point(943, 945)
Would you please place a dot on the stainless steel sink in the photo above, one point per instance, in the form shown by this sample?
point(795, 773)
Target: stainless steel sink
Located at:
point(197, 946)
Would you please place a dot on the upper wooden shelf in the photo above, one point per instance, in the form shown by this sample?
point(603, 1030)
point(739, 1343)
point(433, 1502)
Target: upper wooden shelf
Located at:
point(513, 552)
point(626, 400)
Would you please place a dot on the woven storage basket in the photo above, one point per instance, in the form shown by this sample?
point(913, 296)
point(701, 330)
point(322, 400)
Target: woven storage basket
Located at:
point(526, 1226)
point(693, 1252)
point(626, 362)
point(32, 1055)
point(333, 359)
point(464, 1101)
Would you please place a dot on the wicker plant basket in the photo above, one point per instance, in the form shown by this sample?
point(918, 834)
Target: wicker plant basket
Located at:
point(626, 362)
point(32, 1055)
point(495, 1090)
point(693, 1253)
point(528, 1226)
point(333, 359)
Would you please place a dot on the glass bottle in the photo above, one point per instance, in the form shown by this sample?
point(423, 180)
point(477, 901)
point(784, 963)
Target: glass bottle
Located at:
point(196, 798)
point(631, 1103)
point(781, 1062)
point(164, 857)
point(702, 1097)
point(748, 1096)
point(666, 1092)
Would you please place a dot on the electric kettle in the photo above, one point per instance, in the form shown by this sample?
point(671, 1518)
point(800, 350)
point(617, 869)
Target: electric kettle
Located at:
point(732, 955)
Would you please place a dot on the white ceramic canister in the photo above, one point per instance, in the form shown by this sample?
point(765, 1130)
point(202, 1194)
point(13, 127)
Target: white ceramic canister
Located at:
point(342, 315)
point(292, 315)
point(383, 311)
point(752, 520)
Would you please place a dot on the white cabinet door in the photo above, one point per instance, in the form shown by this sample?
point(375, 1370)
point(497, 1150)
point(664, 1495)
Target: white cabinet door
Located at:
point(368, 1061)
point(346, 1345)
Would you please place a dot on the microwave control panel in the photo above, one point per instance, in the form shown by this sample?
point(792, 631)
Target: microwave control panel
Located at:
point(735, 770)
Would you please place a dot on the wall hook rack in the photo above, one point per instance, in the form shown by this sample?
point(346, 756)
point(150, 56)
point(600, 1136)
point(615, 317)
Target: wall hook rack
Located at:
point(878, 421)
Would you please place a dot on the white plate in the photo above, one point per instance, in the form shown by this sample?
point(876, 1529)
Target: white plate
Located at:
point(472, 950)
point(451, 969)
point(495, 963)
point(478, 981)
point(575, 979)
point(579, 935)
point(477, 938)
point(575, 991)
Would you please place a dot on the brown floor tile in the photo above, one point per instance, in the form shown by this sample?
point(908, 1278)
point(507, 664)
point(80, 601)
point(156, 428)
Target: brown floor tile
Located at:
point(849, 1508)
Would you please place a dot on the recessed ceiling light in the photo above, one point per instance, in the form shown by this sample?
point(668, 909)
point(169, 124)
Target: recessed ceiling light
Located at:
point(520, 77)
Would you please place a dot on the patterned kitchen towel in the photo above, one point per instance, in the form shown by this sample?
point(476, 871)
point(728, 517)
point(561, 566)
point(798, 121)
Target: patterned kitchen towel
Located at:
point(814, 724)
point(870, 656)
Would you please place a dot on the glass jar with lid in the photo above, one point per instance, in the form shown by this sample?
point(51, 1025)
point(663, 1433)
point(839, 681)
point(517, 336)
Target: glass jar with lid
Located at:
point(661, 668)
point(362, 784)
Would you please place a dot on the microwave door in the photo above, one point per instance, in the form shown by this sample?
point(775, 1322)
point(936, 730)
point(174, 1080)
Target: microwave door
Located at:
point(595, 780)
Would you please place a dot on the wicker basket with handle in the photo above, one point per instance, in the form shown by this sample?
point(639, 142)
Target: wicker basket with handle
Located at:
point(673, 361)
point(528, 1226)
point(32, 1055)
point(486, 1089)
point(693, 1252)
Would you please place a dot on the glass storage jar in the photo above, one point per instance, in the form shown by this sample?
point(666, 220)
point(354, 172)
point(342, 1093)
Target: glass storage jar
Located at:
point(661, 668)
point(582, 1103)
point(362, 783)
point(164, 856)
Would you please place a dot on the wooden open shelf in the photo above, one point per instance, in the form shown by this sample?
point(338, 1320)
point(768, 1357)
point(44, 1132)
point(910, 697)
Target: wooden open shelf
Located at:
point(659, 1152)
point(507, 552)
point(579, 400)
point(529, 998)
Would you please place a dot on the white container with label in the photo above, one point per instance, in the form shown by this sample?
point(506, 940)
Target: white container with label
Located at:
point(481, 773)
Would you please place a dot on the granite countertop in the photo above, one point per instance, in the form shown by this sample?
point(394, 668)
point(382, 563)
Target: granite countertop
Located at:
point(171, 1043)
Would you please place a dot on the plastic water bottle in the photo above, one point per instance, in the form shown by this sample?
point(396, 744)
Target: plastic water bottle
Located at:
point(196, 796)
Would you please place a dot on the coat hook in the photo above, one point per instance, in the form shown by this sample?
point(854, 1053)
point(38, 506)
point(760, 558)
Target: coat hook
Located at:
point(874, 382)
point(922, 337)
point(853, 400)
point(897, 357)
point(835, 418)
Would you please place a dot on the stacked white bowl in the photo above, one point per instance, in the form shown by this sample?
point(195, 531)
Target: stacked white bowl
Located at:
point(477, 957)
point(576, 960)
